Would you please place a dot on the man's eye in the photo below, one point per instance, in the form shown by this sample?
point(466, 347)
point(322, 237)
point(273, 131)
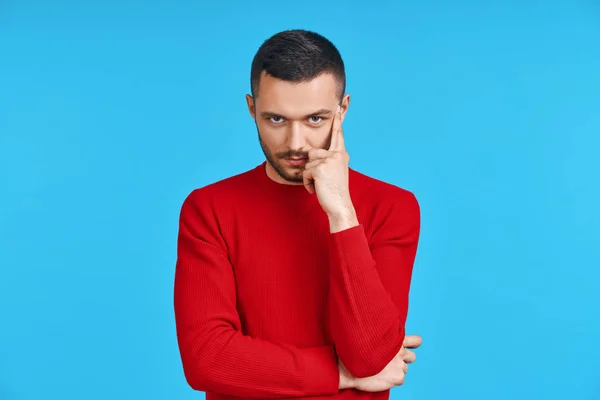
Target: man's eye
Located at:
point(276, 120)
point(315, 120)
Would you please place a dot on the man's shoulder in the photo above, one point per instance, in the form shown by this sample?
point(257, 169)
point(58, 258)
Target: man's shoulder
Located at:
point(385, 207)
point(379, 191)
point(230, 188)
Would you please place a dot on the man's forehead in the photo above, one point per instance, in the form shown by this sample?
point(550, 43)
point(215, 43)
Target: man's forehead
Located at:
point(297, 98)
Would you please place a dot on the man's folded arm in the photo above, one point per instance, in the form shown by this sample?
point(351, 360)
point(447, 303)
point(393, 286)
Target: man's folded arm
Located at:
point(369, 287)
point(216, 356)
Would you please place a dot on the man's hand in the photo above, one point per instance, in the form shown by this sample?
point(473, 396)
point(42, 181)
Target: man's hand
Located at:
point(326, 174)
point(391, 376)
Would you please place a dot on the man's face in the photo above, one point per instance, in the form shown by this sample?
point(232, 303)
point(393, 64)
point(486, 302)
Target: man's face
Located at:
point(293, 118)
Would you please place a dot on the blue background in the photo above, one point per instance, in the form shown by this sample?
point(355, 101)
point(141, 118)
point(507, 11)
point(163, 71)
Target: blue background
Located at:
point(112, 112)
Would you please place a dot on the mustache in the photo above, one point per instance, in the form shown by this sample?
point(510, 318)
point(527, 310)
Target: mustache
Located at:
point(290, 154)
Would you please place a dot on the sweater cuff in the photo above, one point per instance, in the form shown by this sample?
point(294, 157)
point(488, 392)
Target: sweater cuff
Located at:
point(350, 247)
point(321, 375)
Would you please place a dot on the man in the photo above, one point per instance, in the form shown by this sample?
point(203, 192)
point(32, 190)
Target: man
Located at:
point(292, 278)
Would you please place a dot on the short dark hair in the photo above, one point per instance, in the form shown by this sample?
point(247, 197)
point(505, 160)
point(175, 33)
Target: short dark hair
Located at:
point(297, 56)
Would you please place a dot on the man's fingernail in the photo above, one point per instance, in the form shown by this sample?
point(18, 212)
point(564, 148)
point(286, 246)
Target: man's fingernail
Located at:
point(339, 109)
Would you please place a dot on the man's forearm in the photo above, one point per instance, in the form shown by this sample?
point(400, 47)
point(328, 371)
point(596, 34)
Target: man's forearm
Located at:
point(347, 381)
point(369, 285)
point(343, 219)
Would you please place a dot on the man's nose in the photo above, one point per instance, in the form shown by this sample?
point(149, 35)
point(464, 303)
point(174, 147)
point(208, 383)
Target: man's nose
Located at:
point(296, 137)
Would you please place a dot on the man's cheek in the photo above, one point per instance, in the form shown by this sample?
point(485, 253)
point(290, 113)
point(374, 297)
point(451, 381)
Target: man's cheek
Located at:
point(321, 138)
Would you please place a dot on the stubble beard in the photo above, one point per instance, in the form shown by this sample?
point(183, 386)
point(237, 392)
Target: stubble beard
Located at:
point(276, 164)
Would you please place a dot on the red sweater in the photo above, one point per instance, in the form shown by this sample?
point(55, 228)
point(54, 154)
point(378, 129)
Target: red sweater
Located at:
point(266, 298)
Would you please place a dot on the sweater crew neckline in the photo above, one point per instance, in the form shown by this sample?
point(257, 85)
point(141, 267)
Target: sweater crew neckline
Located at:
point(268, 183)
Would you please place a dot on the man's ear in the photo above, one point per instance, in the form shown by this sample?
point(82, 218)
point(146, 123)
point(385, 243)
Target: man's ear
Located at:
point(251, 108)
point(344, 105)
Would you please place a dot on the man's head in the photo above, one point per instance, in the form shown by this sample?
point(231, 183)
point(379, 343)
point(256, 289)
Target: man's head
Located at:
point(297, 82)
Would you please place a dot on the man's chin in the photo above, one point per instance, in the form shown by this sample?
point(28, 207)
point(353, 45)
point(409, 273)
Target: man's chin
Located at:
point(290, 173)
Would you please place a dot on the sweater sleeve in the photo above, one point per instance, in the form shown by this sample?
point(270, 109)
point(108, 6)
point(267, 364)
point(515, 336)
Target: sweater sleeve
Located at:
point(369, 288)
point(216, 356)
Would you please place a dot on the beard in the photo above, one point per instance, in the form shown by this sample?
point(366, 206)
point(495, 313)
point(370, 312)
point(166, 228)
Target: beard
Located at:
point(295, 176)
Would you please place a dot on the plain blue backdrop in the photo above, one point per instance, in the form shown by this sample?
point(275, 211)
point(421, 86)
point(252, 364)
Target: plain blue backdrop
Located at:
point(112, 112)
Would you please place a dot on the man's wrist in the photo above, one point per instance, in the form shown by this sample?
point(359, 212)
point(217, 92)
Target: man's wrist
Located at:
point(342, 219)
point(347, 381)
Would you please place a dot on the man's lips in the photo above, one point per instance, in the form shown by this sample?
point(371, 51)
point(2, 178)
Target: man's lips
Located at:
point(296, 162)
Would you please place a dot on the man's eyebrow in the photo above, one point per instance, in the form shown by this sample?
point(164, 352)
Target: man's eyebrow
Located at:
point(322, 111)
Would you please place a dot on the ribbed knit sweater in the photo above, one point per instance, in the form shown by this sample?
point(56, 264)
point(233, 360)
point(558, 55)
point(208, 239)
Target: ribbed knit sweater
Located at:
point(267, 299)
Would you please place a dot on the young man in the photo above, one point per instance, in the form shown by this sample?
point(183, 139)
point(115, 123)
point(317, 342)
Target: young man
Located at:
point(292, 278)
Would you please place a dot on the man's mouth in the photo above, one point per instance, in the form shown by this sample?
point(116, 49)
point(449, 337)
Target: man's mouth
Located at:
point(296, 161)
